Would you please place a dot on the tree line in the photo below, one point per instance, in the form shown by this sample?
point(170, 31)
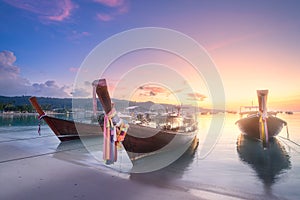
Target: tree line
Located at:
point(22, 104)
point(8, 107)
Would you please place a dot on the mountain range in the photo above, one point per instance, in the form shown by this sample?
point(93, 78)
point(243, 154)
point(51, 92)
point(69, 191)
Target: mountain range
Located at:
point(18, 103)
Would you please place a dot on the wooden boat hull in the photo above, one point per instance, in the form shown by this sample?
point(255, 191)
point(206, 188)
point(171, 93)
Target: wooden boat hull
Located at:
point(67, 130)
point(250, 126)
point(139, 142)
point(143, 141)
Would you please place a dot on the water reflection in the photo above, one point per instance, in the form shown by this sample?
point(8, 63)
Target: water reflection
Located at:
point(268, 163)
point(171, 172)
point(80, 152)
point(18, 120)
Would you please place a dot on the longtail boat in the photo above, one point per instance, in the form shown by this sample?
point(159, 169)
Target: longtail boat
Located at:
point(261, 124)
point(142, 141)
point(66, 129)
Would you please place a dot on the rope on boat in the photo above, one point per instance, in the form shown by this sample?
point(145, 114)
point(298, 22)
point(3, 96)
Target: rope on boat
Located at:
point(287, 132)
point(40, 117)
point(295, 143)
point(287, 139)
point(288, 142)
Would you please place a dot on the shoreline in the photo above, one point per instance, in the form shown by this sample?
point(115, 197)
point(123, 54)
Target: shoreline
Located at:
point(29, 114)
point(37, 171)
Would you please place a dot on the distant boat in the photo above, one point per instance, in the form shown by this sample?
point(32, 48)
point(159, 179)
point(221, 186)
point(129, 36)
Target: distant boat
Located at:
point(248, 110)
point(289, 112)
point(259, 123)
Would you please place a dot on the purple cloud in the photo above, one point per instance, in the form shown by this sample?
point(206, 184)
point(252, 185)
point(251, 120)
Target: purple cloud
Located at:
point(55, 10)
point(49, 88)
point(111, 3)
point(13, 84)
point(104, 17)
point(61, 10)
point(118, 7)
point(7, 68)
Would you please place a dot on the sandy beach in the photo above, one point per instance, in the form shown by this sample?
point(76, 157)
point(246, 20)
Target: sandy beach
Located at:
point(33, 168)
point(41, 168)
point(46, 178)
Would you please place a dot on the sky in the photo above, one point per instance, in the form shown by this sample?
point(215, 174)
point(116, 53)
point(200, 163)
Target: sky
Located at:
point(253, 44)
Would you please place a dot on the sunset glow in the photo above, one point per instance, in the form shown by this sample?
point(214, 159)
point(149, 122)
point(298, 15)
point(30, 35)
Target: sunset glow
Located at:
point(253, 44)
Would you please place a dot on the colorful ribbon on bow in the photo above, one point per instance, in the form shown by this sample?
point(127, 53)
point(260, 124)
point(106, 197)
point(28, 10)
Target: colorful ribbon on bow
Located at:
point(114, 133)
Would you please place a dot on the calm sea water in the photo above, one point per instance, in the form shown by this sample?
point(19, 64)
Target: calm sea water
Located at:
point(237, 167)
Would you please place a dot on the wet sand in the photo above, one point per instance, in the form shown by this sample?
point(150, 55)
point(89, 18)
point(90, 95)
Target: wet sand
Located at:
point(46, 178)
point(39, 167)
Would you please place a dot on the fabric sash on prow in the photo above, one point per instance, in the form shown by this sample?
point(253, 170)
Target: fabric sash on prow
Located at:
point(263, 115)
point(114, 129)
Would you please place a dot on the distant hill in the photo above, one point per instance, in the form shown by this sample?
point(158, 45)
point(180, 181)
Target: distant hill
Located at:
point(21, 103)
point(18, 100)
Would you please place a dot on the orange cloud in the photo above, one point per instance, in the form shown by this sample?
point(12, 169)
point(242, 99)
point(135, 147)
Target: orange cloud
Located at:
point(153, 89)
point(196, 96)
